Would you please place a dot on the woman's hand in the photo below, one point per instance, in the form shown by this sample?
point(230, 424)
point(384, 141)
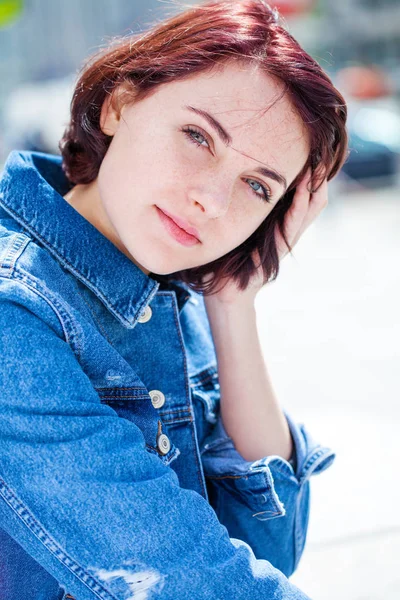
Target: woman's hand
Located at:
point(303, 211)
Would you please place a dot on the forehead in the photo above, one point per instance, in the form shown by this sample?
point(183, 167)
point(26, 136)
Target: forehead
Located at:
point(251, 106)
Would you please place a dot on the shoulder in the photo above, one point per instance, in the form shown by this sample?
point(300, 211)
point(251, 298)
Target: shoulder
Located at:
point(30, 276)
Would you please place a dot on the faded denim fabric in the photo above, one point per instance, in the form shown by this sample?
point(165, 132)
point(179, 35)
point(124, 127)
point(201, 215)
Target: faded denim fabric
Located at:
point(117, 479)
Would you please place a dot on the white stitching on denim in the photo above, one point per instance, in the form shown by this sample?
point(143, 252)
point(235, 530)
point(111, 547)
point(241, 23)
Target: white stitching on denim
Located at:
point(15, 248)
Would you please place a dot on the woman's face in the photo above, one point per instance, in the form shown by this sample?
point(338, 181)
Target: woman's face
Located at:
point(205, 152)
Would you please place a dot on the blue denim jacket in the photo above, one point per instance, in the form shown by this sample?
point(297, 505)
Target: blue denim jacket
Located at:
point(117, 478)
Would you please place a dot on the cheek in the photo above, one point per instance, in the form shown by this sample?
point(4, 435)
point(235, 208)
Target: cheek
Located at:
point(124, 170)
point(248, 213)
point(233, 232)
point(156, 163)
point(110, 179)
point(116, 188)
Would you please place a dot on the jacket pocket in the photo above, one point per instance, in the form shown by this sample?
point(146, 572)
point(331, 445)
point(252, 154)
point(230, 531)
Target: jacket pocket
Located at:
point(205, 395)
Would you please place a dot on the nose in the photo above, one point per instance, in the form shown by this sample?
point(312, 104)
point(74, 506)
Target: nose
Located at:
point(213, 201)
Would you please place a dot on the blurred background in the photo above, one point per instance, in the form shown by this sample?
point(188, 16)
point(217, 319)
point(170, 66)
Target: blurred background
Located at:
point(330, 323)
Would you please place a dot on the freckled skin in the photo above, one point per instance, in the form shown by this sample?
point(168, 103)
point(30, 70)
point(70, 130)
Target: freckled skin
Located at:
point(151, 161)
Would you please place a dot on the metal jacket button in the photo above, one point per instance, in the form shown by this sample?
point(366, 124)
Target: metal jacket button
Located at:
point(157, 398)
point(163, 444)
point(145, 315)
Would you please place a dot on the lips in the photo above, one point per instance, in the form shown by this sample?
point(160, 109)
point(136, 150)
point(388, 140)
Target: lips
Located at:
point(182, 224)
point(179, 234)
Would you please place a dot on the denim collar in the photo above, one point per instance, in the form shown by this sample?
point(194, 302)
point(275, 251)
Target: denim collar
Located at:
point(31, 190)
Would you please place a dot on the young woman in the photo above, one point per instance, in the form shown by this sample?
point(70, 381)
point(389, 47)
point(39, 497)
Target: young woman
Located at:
point(143, 452)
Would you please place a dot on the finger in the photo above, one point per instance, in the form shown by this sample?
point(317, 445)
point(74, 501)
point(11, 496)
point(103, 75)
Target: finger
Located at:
point(256, 258)
point(297, 212)
point(318, 201)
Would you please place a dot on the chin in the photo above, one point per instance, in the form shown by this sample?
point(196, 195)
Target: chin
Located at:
point(156, 267)
point(159, 261)
point(157, 270)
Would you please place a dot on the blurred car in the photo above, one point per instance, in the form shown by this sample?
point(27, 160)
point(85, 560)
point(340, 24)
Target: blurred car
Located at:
point(369, 160)
point(374, 132)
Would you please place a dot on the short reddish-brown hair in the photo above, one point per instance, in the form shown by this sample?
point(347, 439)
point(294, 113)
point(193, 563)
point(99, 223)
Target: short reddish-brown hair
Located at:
point(193, 41)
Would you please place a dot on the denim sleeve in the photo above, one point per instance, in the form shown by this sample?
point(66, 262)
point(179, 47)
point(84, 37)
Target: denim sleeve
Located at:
point(83, 497)
point(264, 502)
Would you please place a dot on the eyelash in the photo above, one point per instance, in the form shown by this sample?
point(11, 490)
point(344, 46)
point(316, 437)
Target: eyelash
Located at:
point(188, 131)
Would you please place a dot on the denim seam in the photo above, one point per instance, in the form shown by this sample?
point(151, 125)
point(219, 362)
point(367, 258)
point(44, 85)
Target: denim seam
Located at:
point(220, 505)
point(282, 469)
point(178, 420)
point(317, 457)
point(25, 515)
point(46, 300)
point(112, 402)
point(199, 468)
point(122, 400)
point(228, 476)
point(100, 389)
point(271, 513)
point(268, 488)
point(300, 533)
point(312, 459)
point(200, 472)
point(176, 412)
point(170, 417)
point(58, 308)
point(95, 319)
point(16, 247)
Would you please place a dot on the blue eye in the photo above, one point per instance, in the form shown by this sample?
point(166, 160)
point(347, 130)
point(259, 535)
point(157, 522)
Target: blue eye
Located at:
point(266, 194)
point(198, 138)
point(194, 136)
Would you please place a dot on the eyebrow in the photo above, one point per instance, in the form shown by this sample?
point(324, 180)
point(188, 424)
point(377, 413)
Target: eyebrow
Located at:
point(226, 139)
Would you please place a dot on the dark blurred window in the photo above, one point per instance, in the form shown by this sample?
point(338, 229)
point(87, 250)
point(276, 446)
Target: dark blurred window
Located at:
point(378, 4)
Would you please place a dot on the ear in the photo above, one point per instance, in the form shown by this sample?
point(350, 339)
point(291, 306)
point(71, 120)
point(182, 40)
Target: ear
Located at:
point(111, 110)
